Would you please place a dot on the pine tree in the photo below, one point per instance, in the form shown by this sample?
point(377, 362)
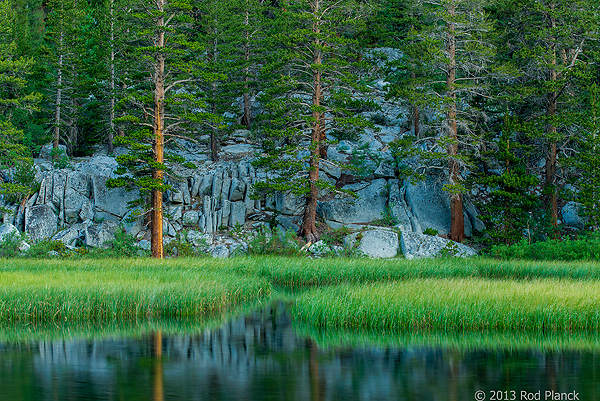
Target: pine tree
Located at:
point(548, 42)
point(588, 160)
point(64, 24)
point(160, 102)
point(218, 26)
point(14, 72)
point(309, 97)
point(446, 66)
point(511, 197)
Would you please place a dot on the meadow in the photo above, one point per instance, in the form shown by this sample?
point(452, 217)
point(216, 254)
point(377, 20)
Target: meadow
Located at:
point(477, 295)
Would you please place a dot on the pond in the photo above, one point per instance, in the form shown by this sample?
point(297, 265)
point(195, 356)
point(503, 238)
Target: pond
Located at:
point(263, 356)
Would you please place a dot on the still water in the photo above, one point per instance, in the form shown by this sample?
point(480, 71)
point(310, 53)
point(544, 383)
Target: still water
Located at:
point(263, 356)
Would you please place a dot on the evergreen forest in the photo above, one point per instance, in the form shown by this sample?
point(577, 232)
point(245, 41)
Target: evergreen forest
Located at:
point(504, 95)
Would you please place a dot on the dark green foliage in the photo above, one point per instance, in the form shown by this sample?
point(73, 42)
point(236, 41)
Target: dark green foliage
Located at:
point(14, 96)
point(22, 185)
point(180, 246)
point(588, 161)
point(430, 231)
point(336, 237)
point(48, 248)
point(274, 242)
point(162, 92)
point(9, 247)
point(293, 112)
point(122, 246)
point(510, 201)
point(583, 248)
point(60, 159)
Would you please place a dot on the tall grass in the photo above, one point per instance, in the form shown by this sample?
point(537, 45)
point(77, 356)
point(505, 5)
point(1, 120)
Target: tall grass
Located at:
point(86, 289)
point(27, 331)
point(456, 305)
point(302, 272)
point(123, 289)
point(586, 247)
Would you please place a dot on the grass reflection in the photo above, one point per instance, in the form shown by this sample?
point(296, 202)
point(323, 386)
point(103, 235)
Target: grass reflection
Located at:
point(467, 341)
point(23, 332)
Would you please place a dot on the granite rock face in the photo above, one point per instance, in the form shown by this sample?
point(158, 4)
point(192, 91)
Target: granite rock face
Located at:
point(369, 206)
point(40, 222)
point(98, 235)
point(210, 197)
point(111, 203)
point(68, 236)
point(376, 243)
point(417, 246)
point(571, 215)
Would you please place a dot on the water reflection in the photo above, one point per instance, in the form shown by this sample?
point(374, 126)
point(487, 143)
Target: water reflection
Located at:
point(262, 357)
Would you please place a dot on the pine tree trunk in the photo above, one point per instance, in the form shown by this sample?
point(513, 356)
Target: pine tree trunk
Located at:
point(415, 111)
point(111, 128)
point(247, 117)
point(550, 167)
point(309, 228)
point(457, 223)
point(58, 103)
point(156, 243)
point(73, 136)
point(214, 147)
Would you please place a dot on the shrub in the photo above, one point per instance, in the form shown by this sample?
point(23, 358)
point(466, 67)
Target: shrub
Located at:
point(583, 248)
point(22, 186)
point(336, 237)
point(62, 160)
point(9, 247)
point(274, 242)
point(182, 247)
point(123, 245)
point(42, 248)
point(430, 231)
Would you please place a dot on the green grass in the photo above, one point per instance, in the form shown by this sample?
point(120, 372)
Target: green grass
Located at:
point(119, 289)
point(27, 331)
point(585, 247)
point(303, 272)
point(387, 295)
point(456, 305)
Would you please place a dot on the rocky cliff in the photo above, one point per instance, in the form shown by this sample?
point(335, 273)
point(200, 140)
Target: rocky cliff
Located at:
point(75, 206)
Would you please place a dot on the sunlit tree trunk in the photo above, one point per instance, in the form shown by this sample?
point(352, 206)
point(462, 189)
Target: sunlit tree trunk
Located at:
point(156, 242)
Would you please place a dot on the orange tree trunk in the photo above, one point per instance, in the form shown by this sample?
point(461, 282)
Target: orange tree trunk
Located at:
point(156, 243)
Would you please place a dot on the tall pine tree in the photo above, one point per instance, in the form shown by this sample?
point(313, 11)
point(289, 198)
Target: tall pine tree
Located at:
point(548, 43)
point(312, 71)
point(164, 66)
point(445, 69)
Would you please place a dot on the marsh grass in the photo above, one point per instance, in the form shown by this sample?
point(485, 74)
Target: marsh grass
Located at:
point(27, 331)
point(119, 289)
point(478, 305)
point(104, 289)
point(303, 272)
